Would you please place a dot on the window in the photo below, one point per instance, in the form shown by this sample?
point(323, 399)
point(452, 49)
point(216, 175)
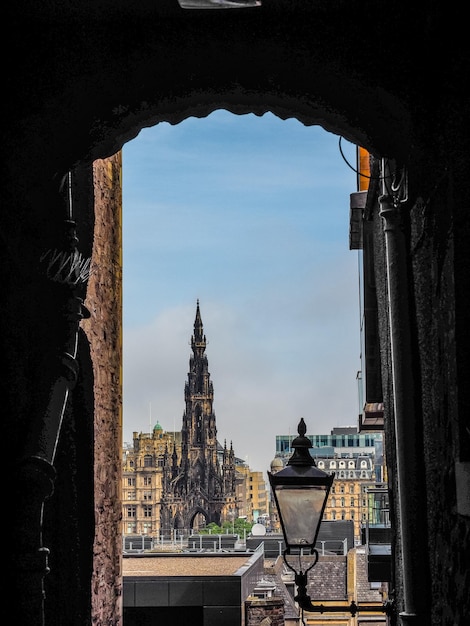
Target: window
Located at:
point(341, 489)
point(147, 495)
point(321, 464)
point(147, 510)
point(131, 495)
point(364, 464)
point(343, 514)
point(352, 501)
point(131, 511)
point(147, 481)
point(332, 464)
point(333, 514)
point(148, 460)
point(342, 464)
point(352, 514)
point(131, 482)
point(351, 464)
point(342, 501)
point(333, 501)
point(351, 488)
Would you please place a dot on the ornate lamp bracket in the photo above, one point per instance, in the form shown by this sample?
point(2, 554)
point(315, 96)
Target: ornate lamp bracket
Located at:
point(394, 188)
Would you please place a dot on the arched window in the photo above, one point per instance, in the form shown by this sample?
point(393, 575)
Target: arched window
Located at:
point(198, 413)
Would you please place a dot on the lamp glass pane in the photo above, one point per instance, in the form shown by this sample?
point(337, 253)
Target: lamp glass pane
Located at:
point(301, 510)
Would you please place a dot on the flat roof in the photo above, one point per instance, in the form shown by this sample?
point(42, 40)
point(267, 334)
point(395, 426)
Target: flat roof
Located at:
point(185, 564)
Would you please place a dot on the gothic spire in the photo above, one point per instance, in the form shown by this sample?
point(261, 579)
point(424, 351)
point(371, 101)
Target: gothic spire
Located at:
point(198, 340)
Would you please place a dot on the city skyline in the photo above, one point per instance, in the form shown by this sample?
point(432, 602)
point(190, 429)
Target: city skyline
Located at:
point(250, 216)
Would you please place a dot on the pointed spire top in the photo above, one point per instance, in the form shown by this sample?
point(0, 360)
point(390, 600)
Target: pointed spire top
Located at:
point(198, 339)
point(198, 311)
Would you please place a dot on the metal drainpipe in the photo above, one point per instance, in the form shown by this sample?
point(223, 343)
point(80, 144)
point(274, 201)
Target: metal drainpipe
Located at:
point(406, 423)
point(37, 473)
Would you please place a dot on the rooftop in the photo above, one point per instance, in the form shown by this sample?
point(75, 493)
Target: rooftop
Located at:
point(185, 564)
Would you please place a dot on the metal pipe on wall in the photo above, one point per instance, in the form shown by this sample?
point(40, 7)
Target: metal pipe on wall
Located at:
point(407, 424)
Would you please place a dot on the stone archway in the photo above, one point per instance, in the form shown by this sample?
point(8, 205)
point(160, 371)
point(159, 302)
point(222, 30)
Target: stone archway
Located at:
point(100, 73)
point(200, 516)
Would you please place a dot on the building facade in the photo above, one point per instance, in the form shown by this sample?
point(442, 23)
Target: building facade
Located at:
point(348, 499)
point(252, 495)
point(177, 482)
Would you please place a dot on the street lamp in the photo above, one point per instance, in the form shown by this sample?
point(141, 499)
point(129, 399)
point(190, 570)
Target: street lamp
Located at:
point(300, 492)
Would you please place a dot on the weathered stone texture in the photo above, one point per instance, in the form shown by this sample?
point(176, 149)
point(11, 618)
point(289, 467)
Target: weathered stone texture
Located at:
point(104, 333)
point(270, 609)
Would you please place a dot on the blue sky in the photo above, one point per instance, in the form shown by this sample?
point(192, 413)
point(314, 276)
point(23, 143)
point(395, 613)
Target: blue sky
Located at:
point(250, 215)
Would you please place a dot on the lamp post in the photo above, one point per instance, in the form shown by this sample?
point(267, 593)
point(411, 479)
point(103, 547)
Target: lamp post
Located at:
point(300, 492)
